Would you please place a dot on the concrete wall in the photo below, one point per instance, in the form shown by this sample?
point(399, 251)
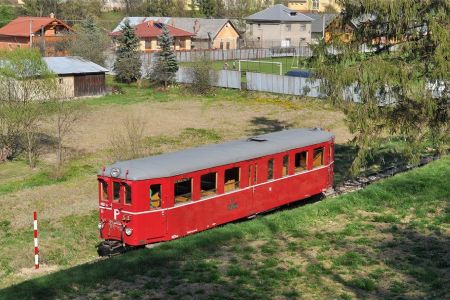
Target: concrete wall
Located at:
point(307, 5)
point(185, 43)
point(66, 86)
point(222, 78)
point(226, 36)
point(12, 43)
point(283, 84)
point(268, 35)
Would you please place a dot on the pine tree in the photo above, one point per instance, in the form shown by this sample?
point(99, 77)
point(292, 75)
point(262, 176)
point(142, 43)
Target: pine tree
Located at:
point(394, 82)
point(90, 42)
point(128, 63)
point(207, 7)
point(166, 65)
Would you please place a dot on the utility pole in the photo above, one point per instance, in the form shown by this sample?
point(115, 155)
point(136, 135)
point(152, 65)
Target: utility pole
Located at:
point(323, 26)
point(31, 34)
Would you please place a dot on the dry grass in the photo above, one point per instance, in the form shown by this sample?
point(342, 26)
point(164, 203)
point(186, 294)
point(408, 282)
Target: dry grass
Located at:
point(230, 119)
point(167, 129)
point(92, 136)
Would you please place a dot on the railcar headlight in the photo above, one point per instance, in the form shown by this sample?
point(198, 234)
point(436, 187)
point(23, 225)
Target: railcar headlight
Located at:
point(115, 172)
point(101, 225)
point(128, 231)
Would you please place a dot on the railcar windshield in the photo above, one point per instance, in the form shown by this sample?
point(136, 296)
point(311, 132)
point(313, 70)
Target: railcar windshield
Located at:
point(116, 191)
point(103, 188)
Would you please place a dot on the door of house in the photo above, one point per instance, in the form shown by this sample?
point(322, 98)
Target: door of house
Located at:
point(286, 43)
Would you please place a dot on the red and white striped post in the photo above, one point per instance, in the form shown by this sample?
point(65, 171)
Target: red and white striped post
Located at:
point(36, 245)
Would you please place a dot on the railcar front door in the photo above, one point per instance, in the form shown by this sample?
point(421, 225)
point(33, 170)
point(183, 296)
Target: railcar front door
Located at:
point(156, 219)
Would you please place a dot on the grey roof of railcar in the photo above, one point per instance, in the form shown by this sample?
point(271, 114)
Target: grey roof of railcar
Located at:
point(205, 157)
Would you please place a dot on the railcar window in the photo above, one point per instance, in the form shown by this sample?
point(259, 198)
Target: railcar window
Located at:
point(285, 170)
point(103, 190)
point(255, 179)
point(250, 171)
point(155, 196)
point(127, 193)
point(116, 191)
point(300, 161)
point(208, 184)
point(232, 178)
point(270, 169)
point(183, 190)
point(318, 157)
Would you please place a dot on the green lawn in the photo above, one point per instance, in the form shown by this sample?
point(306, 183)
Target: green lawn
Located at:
point(258, 65)
point(390, 240)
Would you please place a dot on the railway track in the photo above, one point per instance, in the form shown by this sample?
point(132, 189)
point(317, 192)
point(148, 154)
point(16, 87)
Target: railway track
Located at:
point(360, 182)
point(345, 187)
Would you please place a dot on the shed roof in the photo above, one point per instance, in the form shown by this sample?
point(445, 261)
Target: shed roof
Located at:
point(279, 13)
point(72, 65)
point(205, 157)
point(320, 21)
point(188, 24)
point(21, 26)
point(154, 29)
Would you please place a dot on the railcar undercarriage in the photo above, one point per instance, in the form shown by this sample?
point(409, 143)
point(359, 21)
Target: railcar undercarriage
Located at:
point(112, 247)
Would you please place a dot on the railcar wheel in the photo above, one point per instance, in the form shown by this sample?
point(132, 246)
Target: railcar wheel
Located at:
point(110, 248)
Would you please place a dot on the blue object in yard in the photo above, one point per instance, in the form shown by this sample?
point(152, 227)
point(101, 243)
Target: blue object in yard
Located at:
point(299, 73)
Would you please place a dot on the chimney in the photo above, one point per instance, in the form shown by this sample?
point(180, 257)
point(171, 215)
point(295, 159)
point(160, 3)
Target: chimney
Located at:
point(196, 26)
point(52, 15)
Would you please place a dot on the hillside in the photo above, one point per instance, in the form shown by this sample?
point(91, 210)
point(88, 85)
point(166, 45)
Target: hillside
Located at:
point(389, 240)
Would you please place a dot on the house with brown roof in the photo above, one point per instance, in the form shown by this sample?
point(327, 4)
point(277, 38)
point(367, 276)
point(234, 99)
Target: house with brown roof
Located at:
point(208, 33)
point(149, 31)
point(24, 32)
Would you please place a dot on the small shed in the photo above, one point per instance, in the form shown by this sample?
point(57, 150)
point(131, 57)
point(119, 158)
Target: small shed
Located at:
point(78, 77)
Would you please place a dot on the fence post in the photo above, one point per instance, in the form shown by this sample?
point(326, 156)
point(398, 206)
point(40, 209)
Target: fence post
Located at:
point(36, 244)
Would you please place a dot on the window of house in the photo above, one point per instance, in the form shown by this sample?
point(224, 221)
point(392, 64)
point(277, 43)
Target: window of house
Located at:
point(315, 4)
point(208, 184)
point(270, 169)
point(318, 157)
point(228, 45)
point(148, 44)
point(221, 45)
point(183, 190)
point(60, 80)
point(116, 191)
point(126, 193)
point(300, 161)
point(285, 169)
point(155, 196)
point(232, 177)
point(103, 190)
point(288, 27)
point(302, 27)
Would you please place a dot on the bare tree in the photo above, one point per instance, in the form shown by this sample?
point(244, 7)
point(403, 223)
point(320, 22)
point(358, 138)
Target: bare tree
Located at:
point(65, 114)
point(26, 85)
point(129, 143)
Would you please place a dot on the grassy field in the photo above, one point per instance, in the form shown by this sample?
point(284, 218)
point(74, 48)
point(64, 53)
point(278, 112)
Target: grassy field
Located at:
point(390, 240)
point(258, 65)
point(173, 120)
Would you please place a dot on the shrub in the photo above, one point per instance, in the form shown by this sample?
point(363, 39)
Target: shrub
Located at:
point(202, 76)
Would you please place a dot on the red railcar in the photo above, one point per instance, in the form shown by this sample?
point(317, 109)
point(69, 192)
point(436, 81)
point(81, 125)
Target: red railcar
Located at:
point(168, 196)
